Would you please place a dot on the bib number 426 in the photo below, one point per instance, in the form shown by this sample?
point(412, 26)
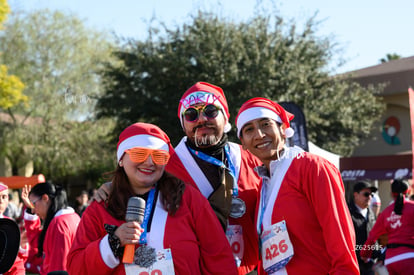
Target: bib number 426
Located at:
point(275, 249)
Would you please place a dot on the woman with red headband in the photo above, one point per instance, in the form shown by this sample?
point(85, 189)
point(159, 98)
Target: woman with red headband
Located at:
point(302, 218)
point(178, 232)
point(397, 221)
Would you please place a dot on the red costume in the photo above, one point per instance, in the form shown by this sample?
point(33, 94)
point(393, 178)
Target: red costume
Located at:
point(400, 231)
point(58, 239)
point(196, 240)
point(248, 186)
point(307, 192)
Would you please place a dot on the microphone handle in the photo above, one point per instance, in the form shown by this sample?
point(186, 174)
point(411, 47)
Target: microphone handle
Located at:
point(129, 252)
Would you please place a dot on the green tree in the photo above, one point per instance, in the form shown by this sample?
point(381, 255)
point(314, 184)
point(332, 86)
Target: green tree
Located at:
point(58, 59)
point(10, 86)
point(264, 56)
point(390, 57)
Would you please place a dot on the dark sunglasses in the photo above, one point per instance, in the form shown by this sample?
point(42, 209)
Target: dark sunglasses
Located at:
point(367, 194)
point(210, 111)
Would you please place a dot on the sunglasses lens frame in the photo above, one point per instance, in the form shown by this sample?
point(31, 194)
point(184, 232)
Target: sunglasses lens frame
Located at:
point(367, 194)
point(191, 114)
point(210, 111)
point(159, 157)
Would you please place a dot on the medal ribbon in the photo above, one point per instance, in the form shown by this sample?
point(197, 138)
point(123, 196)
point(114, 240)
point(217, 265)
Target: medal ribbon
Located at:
point(231, 169)
point(147, 214)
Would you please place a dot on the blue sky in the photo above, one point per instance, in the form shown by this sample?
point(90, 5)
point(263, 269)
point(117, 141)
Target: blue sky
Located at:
point(366, 29)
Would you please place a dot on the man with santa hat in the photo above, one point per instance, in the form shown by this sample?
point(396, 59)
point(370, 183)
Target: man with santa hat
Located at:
point(220, 169)
point(302, 220)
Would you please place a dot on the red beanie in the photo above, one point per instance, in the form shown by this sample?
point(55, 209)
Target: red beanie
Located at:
point(203, 92)
point(260, 107)
point(143, 135)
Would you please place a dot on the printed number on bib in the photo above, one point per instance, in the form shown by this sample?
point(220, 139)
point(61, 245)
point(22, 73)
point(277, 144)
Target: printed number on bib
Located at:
point(277, 249)
point(163, 266)
point(274, 250)
point(154, 272)
point(234, 234)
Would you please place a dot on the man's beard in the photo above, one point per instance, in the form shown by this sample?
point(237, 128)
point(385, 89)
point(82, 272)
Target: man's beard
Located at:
point(205, 140)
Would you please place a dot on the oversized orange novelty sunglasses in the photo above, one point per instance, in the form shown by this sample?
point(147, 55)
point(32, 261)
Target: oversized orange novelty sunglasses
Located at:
point(140, 154)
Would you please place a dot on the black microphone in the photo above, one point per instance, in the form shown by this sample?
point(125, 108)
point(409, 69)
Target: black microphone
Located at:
point(135, 212)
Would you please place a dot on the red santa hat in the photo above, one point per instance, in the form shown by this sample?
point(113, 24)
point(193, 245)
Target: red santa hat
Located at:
point(3, 187)
point(143, 135)
point(204, 93)
point(260, 107)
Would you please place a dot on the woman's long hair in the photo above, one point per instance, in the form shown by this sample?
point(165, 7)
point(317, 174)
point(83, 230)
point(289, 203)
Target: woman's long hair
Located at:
point(399, 188)
point(170, 187)
point(57, 196)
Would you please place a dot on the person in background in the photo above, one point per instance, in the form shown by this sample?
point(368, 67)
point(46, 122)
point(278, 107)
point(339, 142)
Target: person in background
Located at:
point(18, 266)
point(179, 233)
point(397, 222)
point(82, 202)
point(218, 168)
point(12, 211)
point(363, 219)
point(303, 221)
point(375, 204)
point(48, 202)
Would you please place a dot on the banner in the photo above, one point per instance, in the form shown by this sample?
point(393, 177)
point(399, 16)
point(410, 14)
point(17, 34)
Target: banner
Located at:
point(411, 97)
point(17, 182)
point(298, 124)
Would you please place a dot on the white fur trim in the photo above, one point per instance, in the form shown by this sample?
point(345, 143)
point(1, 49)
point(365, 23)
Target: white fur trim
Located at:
point(147, 141)
point(65, 211)
point(107, 255)
point(30, 217)
point(201, 97)
point(254, 113)
point(399, 257)
point(156, 237)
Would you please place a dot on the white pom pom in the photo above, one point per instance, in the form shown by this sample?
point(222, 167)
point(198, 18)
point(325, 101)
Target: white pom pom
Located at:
point(289, 132)
point(227, 127)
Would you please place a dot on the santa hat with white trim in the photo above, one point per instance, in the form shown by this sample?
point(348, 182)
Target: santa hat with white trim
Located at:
point(260, 107)
point(204, 93)
point(3, 187)
point(143, 135)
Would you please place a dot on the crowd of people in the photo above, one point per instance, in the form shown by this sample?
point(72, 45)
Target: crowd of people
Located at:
point(211, 206)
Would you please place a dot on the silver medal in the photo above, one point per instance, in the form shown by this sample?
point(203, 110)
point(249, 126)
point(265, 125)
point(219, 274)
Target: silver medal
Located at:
point(238, 208)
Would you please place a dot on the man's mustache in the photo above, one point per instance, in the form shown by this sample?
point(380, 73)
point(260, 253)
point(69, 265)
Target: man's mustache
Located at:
point(204, 125)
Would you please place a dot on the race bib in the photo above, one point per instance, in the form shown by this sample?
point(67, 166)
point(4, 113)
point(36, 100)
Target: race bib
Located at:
point(163, 266)
point(234, 234)
point(277, 249)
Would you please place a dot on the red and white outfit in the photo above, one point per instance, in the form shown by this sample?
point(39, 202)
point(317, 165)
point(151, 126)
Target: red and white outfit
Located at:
point(400, 230)
point(193, 233)
point(18, 265)
point(183, 165)
point(248, 186)
point(58, 239)
point(307, 192)
point(301, 194)
point(34, 262)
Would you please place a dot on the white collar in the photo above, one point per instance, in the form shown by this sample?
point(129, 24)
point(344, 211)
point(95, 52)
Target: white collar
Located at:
point(65, 211)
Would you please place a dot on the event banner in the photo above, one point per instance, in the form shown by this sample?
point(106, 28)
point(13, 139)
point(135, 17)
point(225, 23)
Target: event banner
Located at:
point(300, 138)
